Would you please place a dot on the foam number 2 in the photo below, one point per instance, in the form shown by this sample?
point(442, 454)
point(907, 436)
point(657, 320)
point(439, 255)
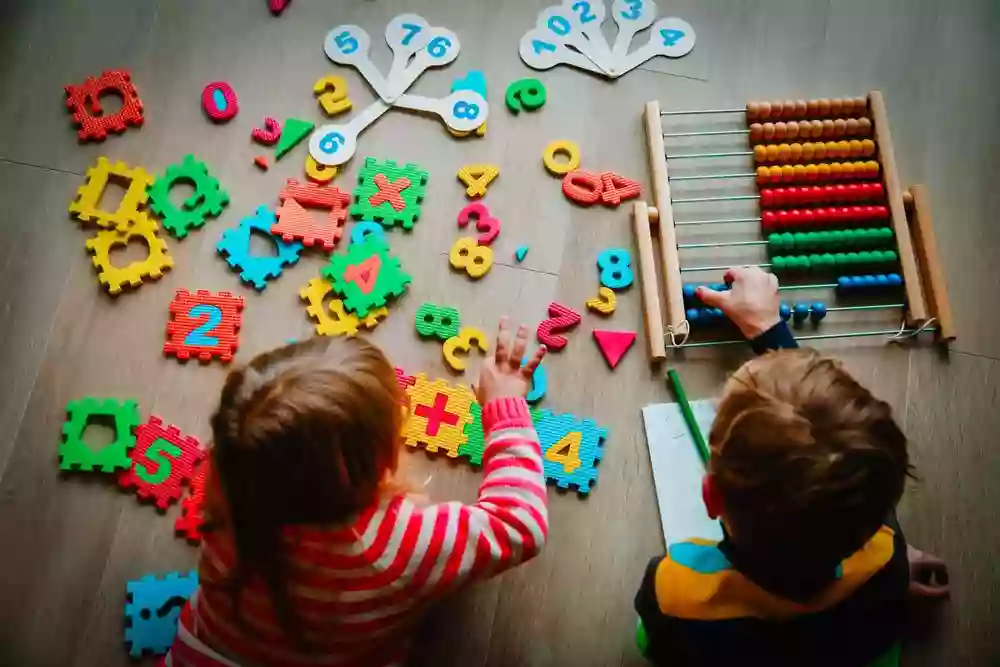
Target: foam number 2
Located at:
point(474, 259)
point(199, 336)
point(160, 453)
point(616, 269)
point(561, 318)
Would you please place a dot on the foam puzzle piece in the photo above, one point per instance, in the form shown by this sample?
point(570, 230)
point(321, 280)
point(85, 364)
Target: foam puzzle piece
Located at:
point(582, 187)
point(561, 318)
point(477, 177)
point(404, 380)
point(525, 95)
point(295, 222)
point(486, 224)
point(88, 115)
point(320, 174)
point(152, 609)
point(466, 339)
point(366, 275)
point(192, 519)
point(438, 416)
point(269, 134)
point(331, 93)
point(374, 199)
point(163, 459)
point(75, 454)
point(604, 303)
point(208, 199)
point(567, 148)
point(467, 255)
point(615, 188)
point(332, 319)
point(539, 383)
point(613, 344)
point(114, 277)
point(475, 443)
point(204, 325)
point(571, 449)
point(86, 206)
point(616, 268)
point(294, 131)
point(521, 253)
point(434, 320)
point(219, 101)
point(234, 245)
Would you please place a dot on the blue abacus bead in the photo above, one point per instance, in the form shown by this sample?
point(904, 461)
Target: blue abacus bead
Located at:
point(718, 314)
point(785, 311)
point(894, 279)
point(818, 311)
point(882, 280)
point(800, 313)
point(693, 315)
point(688, 291)
point(868, 282)
point(845, 283)
point(720, 287)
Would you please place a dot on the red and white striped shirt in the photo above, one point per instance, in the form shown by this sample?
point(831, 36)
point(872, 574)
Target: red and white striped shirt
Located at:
point(358, 591)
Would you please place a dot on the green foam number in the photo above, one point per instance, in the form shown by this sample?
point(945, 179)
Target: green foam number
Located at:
point(434, 320)
point(158, 453)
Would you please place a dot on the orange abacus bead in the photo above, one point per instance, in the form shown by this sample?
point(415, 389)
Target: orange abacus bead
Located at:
point(784, 151)
point(847, 170)
point(867, 147)
point(756, 133)
point(799, 173)
point(765, 110)
point(836, 170)
point(772, 152)
point(819, 150)
point(769, 131)
point(795, 129)
point(852, 127)
point(753, 110)
point(823, 107)
point(763, 174)
point(827, 128)
point(855, 147)
point(760, 153)
point(817, 128)
point(776, 108)
point(864, 127)
point(812, 107)
point(788, 110)
point(836, 106)
point(801, 106)
point(780, 131)
point(823, 172)
point(860, 105)
point(787, 173)
point(808, 150)
point(839, 127)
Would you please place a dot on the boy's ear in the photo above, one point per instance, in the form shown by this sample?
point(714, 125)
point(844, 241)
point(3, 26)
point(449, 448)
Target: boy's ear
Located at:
point(710, 496)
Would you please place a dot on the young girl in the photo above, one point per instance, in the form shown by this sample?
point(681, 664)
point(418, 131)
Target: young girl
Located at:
point(314, 555)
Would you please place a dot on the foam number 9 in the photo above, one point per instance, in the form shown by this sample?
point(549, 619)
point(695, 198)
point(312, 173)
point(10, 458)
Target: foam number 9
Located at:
point(347, 44)
point(333, 144)
point(616, 269)
point(199, 336)
point(525, 94)
point(474, 259)
point(158, 453)
point(674, 37)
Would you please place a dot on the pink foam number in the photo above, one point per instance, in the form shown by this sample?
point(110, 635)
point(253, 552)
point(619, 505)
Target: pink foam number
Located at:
point(277, 6)
point(561, 318)
point(219, 101)
point(613, 344)
point(485, 223)
point(269, 134)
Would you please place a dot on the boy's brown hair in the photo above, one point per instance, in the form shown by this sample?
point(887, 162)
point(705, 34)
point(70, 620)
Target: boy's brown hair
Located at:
point(807, 462)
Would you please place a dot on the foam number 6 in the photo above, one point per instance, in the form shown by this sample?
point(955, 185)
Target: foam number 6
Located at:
point(158, 453)
point(524, 94)
point(485, 223)
point(213, 317)
point(331, 92)
point(616, 269)
point(440, 321)
point(566, 452)
point(466, 339)
point(475, 259)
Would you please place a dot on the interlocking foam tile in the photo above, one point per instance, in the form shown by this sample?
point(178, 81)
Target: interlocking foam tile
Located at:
point(366, 275)
point(439, 414)
point(332, 319)
point(582, 438)
point(204, 325)
point(74, 453)
point(152, 609)
point(373, 200)
point(192, 520)
point(114, 277)
point(475, 443)
point(295, 222)
point(403, 379)
point(208, 198)
point(86, 205)
point(257, 270)
point(163, 459)
point(84, 103)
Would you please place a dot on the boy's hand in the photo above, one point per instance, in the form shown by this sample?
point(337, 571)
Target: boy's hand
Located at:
point(752, 300)
point(928, 574)
point(502, 375)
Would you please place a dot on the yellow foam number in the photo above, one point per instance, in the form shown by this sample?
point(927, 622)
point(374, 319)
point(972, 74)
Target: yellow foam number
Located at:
point(319, 173)
point(604, 303)
point(466, 339)
point(332, 93)
point(476, 177)
point(479, 131)
point(566, 452)
point(334, 320)
point(114, 277)
point(567, 148)
point(475, 259)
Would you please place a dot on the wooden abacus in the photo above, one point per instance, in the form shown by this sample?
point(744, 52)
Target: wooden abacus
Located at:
point(830, 202)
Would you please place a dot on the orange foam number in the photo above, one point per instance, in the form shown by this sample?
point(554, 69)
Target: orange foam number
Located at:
point(583, 187)
point(364, 274)
point(566, 452)
point(617, 188)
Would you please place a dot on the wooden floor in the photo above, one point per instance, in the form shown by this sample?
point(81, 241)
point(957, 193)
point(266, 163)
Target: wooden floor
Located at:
point(69, 545)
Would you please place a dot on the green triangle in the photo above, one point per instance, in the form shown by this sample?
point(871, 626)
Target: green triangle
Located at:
point(292, 133)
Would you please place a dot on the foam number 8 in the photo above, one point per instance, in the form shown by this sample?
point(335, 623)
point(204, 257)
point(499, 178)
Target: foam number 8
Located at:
point(615, 266)
point(199, 336)
point(474, 259)
point(440, 321)
point(158, 453)
point(467, 110)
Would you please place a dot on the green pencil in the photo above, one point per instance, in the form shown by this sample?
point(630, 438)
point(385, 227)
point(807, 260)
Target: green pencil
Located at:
point(682, 399)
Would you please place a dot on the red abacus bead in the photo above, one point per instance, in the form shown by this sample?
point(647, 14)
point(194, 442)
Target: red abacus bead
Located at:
point(841, 192)
point(767, 197)
point(783, 219)
point(808, 217)
point(822, 216)
point(876, 190)
point(768, 220)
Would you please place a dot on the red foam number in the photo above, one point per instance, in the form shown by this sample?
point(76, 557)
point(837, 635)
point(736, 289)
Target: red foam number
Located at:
point(485, 223)
point(218, 99)
point(616, 188)
point(192, 518)
point(162, 460)
point(269, 134)
point(561, 318)
point(365, 274)
point(88, 114)
point(583, 187)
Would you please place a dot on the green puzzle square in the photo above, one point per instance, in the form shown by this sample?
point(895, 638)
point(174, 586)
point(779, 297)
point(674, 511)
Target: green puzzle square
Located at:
point(383, 210)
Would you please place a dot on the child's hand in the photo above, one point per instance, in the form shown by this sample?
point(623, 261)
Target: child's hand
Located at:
point(928, 574)
point(502, 375)
point(752, 300)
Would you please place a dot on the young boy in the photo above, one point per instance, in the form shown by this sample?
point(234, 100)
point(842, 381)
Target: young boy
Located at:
point(806, 470)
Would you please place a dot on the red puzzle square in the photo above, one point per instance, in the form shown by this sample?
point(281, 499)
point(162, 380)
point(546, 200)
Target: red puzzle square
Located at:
point(204, 325)
point(83, 101)
point(192, 520)
point(296, 223)
point(162, 460)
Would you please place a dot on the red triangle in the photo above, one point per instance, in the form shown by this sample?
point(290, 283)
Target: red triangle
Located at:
point(613, 344)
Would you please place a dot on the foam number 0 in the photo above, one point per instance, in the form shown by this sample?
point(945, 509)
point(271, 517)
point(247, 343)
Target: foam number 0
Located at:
point(466, 339)
point(582, 187)
point(199, 336)
point(332, 96)
point(485, 223)
point(566, 452)
point(474, 259)
point(158, 453)
point(616, 268)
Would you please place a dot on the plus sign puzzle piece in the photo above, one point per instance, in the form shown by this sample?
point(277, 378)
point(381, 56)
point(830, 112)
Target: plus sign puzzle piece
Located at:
point(295, 222)
point(84, 103)
point(152, 609)
point(163, 459)
point(204, 325)
point(208, 198)
point(439, 414)
point(86, 206)
point(366, 275)
point(571, 449)
point(388, 193)
point(192, 520)
point(257, 270)
point(75, 454)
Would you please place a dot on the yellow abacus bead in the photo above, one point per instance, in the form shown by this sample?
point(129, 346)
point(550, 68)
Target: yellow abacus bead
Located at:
point(780, 131)
point(836, 170)
point(772, 152)
point(844, 148)
point(827, 128)
point(788, 109)
point(760, 153)
point(855, 147)
point(812, 171)
point(800, 172)
point(788, 173)
point(823, 107)
point(867, 147)
point(836, 106)
point(864, 127)
point(851, 127)
point(763, 175)
point(784, 150)
point(808, 150)
point(801, 106)
point(839, 127)
point(795, 154)
point(819, 150)
point(823, 172)
point(756, 132)
point(848, 170)
point(872, 168)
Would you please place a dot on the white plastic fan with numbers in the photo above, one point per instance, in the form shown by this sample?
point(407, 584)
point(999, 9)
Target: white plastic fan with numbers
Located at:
point(570, 34)
point(416, 46)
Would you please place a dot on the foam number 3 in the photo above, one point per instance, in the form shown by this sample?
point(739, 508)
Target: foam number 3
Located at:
point(160, 452)
point(466, 339)
point(616, 268)
point(474, 259)
point(485, 223)
point(199, 335)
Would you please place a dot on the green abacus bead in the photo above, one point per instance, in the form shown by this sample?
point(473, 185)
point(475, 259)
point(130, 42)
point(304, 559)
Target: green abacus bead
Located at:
point(821, 239)
point(857, 237)
point(889, 256)
point(774, 242)
point(826, 260)
point(779, 263)
point(853, 259)
point(865, 258)
point(885, 234)
point(837, 238)
point(788, 241)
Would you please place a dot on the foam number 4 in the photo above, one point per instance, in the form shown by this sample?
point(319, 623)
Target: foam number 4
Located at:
point(477, 177)
point(160, 452)
point(474, 259)
point(616, 268)
point(566, 452)
point(199, 335)
point(466, 339)
point(560, 319)
point(485, 223)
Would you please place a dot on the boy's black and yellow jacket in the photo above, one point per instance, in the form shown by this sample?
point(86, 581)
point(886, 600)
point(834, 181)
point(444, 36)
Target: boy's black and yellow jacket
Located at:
point(705, 603)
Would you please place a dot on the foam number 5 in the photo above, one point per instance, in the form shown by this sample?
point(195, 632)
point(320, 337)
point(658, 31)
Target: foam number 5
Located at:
point(158, 453)
point(561, 318)
point(476, 260)
point(616, 269)
point(466, 339)
point(485, 223)
point(331, 92)
point(199, 335)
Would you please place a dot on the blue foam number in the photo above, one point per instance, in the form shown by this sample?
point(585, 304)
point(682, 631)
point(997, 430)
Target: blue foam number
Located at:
point(346, 43)
point(539, 46)
point(539, 383)
point(616, 269)
point(463, 109)
point(671, 37)
point(438, 46)
point(583, 9)
point(363, 230)
point(559, 26)
point(332, 142)
point(411, 32)
point(635, 10)
point(199, 336)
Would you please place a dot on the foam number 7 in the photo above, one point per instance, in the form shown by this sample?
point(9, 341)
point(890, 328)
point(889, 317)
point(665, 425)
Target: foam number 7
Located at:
point(199, 335)
point(476, 260)
point(160, 452)
point(485, 223)
point(561, 318)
